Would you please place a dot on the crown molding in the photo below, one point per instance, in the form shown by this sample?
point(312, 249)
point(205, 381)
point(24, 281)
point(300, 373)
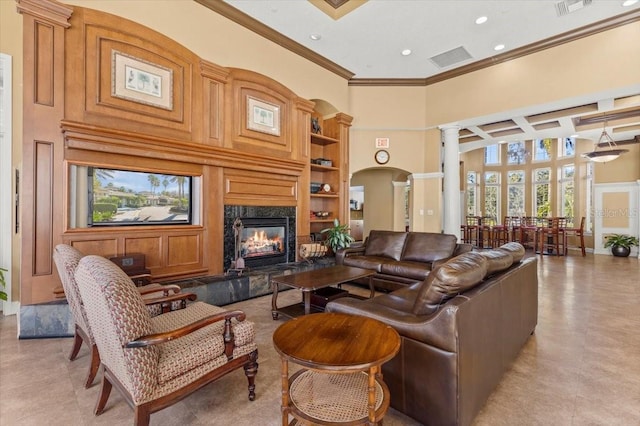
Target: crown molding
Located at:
point(224, 9)
point(548, 43)
point(50, 11)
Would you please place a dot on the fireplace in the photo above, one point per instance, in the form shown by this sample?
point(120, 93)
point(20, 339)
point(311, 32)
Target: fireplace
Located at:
point(263, 240)
point(266, 235)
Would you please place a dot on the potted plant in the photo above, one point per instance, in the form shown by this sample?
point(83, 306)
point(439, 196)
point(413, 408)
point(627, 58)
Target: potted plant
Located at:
point(620, 244)
point(3, 295)
point(337, 236)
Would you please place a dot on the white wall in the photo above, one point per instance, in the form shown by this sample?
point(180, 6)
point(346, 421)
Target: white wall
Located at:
point(6, 172)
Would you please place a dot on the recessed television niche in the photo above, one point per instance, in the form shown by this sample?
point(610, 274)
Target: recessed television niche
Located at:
point(119, 197)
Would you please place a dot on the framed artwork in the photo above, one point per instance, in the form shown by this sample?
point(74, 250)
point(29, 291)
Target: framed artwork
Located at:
point(141, 81)
point(263, 117)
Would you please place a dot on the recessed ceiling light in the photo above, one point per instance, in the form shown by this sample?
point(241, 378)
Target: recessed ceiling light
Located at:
point(629, 3)
point(315, 37)
point(481, 20)
point(499, 47)
point(406, 52)
point(574, 136)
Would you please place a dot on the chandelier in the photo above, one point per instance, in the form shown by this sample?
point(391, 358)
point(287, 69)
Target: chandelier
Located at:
point(609, 154)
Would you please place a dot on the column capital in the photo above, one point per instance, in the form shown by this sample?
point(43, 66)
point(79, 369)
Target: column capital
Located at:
point(446, 127)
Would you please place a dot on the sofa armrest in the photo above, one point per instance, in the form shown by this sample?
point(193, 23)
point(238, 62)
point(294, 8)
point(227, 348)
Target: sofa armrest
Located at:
point(350, 251)
point(460, 248)
point(438, 329)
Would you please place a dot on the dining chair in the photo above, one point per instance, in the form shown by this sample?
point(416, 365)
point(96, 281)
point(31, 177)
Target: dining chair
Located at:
point(485, 231)
point(159, 298)
point(155, 362)
point(500, 233)
point(529, 232)
point(552, 236)
point(575, 233)
point(513, 224)
point(471, 230)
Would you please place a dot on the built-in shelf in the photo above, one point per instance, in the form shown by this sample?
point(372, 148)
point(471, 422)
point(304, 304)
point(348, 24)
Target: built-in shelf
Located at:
point(319, 168)
point(329, 220)
point(331, 146)
point(323, 140)
point(325, 195)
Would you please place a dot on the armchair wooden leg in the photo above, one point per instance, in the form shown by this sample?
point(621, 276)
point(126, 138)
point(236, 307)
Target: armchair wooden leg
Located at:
point(104, 395)
point(77, 344)
point(142, 415)
point(250, 370)
point(95, 365)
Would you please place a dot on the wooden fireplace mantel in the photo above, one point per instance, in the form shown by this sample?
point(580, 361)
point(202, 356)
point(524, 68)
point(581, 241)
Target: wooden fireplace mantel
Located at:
point(80, 111)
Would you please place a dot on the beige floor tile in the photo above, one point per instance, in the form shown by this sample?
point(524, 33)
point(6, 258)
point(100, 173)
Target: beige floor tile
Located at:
point(580, 368)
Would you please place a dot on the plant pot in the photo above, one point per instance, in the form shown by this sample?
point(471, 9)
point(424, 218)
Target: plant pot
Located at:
point(620, 251)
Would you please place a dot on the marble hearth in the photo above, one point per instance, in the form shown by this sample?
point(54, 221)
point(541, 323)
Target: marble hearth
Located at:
point(54, 319)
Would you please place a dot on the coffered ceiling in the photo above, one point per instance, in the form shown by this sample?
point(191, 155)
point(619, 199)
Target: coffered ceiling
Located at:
point(363, 41)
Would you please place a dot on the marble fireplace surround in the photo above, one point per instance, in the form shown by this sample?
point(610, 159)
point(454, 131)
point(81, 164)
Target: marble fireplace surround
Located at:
point(231, 212)
point(53, 319)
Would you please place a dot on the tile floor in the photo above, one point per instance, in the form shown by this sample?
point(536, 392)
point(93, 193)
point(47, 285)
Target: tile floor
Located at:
point(582, 366)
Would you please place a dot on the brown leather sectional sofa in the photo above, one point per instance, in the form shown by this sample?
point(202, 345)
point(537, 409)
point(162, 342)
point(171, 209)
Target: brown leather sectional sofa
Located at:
point(401, 259)
point(461, 328)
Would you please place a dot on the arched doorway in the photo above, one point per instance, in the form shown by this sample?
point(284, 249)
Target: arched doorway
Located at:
point(382, 200)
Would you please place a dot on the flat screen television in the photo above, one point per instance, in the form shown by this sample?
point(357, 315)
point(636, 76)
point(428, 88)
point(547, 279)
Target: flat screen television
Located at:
point(127, 197)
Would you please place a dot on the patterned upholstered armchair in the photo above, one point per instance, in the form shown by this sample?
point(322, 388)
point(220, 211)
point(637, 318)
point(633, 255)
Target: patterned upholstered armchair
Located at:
point(150, 366)
point(158, 298)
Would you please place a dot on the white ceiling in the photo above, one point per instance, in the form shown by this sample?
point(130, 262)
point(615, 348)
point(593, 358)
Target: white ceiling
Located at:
point(368, 42)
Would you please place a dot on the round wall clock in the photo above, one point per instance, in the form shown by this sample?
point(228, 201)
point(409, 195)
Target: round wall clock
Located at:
point(382, 157)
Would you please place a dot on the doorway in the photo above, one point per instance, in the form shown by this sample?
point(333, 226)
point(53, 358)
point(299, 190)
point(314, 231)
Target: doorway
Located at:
point(382, 200)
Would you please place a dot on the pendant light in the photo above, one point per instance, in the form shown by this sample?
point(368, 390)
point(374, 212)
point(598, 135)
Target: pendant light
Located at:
point(607, 154)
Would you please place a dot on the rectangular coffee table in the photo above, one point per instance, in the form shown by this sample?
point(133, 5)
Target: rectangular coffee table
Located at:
point(313, 280)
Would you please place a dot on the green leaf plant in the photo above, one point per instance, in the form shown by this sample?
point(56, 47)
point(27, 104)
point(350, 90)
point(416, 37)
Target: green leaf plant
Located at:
point(3, 284)
point(620, 240)
point(338, 236)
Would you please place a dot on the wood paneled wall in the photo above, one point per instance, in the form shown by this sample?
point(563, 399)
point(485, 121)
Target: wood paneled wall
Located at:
point(74, 115)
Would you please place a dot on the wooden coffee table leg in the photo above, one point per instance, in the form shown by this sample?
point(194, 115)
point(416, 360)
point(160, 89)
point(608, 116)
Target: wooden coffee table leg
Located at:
point(274, 301)
point(373, 290)
point(307, 302)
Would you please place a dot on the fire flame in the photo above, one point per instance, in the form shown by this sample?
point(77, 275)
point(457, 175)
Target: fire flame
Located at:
point(260, 244)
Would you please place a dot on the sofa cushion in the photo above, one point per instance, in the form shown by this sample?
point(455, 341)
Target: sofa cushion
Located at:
point(454, 277)
point(497, 260)
point(515, 249)
point(428, 246)
point(413, 270)
point(385, 243)
point(365, 262)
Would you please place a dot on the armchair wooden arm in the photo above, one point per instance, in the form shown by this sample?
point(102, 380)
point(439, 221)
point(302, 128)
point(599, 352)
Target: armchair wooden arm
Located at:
point(165, 301)
point(165, 289)
point(155, 339)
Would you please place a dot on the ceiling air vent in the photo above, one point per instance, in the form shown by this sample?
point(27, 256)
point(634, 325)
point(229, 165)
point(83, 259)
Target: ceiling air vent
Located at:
point(451, 57)
point(568, 6)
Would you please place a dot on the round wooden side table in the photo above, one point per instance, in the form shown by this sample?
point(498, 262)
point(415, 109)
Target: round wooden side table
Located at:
point(342, 379)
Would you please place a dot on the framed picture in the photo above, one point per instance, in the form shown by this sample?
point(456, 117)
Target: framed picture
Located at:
point(141, 81)
point(263, 117)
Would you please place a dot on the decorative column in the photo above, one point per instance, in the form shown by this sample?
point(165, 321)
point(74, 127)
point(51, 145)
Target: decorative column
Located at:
point(451, 204)
point(44, 23)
